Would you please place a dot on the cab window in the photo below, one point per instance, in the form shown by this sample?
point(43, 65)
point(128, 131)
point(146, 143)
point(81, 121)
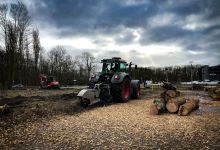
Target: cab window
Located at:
point(122, 66)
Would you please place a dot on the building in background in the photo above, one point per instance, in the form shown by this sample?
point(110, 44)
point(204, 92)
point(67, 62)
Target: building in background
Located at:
point(211, 73)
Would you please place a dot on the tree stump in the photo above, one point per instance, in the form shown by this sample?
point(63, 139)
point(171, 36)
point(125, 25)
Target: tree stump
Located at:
point(174, 103)
point(189, 106)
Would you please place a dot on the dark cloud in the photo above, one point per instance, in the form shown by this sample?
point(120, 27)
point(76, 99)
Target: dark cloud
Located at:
point(87, 16)
point(165, 33)
point(213, 8)
point(186, 7)
point(113, 18)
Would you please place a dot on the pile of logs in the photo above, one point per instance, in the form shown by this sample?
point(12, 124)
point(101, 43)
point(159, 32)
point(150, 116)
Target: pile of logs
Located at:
point(172, 102)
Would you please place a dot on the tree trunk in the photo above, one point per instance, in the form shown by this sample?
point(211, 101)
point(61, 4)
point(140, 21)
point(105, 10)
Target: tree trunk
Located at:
point(174, 103)
point(190, 105)
point(157, 107)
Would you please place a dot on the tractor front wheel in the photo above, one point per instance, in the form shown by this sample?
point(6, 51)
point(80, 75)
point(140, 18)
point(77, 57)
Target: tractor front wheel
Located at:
point(121, 91)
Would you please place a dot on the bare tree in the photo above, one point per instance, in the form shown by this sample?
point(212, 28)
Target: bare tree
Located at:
point(14, 23)
point(80, 64)
point(23, 24)
point(11, 47)
point(61, 64)
point(27, 60)
point(2, 68)
point(88, 59)
point(36, 51)
point(56, 59)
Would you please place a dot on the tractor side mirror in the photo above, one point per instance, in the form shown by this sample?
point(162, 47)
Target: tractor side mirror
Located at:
point(135, 67)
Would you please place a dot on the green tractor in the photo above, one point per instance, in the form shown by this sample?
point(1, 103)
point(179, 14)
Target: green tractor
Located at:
point(113, 83)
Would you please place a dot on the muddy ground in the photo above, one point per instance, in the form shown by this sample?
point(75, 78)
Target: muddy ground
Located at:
point(43, 119)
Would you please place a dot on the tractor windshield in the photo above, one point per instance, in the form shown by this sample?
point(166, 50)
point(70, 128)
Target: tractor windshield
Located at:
point(113, 67)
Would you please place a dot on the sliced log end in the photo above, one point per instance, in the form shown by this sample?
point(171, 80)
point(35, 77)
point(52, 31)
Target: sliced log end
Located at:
point(183, 111)
point(180, 110)
point(172, 107)
point(154, 110)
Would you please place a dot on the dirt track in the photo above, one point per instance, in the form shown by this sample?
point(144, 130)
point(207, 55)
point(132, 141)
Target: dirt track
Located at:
point(119, 126)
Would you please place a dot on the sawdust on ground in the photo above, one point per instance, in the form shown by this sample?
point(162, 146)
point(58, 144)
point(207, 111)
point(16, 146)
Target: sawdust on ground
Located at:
point(119, 126)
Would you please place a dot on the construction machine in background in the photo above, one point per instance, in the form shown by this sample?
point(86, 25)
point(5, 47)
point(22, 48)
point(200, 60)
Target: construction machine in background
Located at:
point(48, 82)
point(113, 83)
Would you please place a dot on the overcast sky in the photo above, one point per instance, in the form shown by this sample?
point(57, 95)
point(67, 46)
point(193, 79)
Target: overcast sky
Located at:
point(146, 32)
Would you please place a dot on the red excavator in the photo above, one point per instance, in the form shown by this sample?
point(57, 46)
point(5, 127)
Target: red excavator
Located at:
point(48, 82)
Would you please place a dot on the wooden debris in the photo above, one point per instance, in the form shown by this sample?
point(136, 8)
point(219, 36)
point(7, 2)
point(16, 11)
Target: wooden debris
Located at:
point(169, 94)
point(189, 106)
point(172, 93)
point(157, 107)
point(167, 86)
point(174, 103)
point(214, 93)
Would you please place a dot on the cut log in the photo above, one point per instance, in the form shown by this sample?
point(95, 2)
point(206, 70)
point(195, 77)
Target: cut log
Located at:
point(189, 106)
point(169, 94)
point(157, 107)
point(174, 103)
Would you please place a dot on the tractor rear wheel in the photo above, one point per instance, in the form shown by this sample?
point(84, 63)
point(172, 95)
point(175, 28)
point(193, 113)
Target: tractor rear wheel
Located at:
point(136, 91)
point(121, 91)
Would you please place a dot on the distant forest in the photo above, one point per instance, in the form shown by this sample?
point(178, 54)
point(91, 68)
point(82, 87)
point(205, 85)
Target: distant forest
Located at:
point(22, 58)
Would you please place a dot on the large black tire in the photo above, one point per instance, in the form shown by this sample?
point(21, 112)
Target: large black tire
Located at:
point(104, 96)
point(121, 91)
point(136, 91)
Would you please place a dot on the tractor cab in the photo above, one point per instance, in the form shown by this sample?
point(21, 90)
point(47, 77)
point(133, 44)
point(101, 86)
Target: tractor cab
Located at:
point(110, 67)
point(113, 65)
